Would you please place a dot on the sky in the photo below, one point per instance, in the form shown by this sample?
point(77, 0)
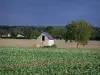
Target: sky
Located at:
point(48, 12)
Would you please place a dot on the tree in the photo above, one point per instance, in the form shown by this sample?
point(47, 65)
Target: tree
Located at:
point(28, 33)
point(36, 33)
point(96, 35)
point(48, 28)
point(58, 33)
point(32, 34)
point(52, 32)
point(79, 31)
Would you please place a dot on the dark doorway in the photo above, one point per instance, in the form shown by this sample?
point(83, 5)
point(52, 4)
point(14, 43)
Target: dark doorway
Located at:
point(43, 38)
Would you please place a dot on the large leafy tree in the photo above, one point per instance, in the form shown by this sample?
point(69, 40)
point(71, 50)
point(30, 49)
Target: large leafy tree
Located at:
point(79, 31)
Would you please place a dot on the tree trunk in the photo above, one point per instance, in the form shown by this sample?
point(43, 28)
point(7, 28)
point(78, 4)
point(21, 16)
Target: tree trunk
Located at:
point(77, 44)
point(83, 46)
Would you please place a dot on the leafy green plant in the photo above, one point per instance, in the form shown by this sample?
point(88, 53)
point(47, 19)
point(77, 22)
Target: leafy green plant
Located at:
point(49, 61)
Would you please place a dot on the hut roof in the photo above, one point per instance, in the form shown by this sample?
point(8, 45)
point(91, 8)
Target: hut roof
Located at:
point(48, 35)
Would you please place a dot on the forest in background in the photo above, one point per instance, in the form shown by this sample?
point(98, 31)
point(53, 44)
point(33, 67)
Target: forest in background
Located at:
point(32, 32)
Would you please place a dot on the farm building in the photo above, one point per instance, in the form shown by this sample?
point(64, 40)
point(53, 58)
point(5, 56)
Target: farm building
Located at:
point(46, 39)
point(6, 35)
point(19, 35)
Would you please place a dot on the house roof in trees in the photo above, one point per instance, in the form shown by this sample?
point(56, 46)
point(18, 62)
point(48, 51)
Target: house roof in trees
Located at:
point(48, 35)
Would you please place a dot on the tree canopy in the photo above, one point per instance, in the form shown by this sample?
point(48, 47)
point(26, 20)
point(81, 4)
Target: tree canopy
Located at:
point(79, 31)
point(58, 33)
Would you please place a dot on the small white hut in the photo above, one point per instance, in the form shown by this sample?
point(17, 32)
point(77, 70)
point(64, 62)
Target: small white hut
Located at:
point(46, 39)
point(19, 35)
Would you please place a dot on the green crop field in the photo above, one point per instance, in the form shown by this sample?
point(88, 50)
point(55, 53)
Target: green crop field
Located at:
point(49, 61)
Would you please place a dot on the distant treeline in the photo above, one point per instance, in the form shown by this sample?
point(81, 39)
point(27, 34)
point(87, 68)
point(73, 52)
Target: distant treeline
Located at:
point(32, 32)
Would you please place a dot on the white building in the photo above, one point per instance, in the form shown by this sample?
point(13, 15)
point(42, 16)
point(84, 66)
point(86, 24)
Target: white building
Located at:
point(19, 35)
point(46, 39)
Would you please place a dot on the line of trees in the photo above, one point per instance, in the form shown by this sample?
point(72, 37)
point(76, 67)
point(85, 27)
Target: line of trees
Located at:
point(32, 32)
point(79, 31)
